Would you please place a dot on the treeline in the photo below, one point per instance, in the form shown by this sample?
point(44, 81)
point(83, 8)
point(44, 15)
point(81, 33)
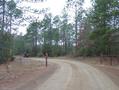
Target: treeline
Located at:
point(8, 13)
point(104, 19)
point(52, 35)
point(76, 31)
point(92, 33)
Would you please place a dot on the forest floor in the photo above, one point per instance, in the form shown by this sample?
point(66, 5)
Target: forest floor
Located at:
point(61, 74)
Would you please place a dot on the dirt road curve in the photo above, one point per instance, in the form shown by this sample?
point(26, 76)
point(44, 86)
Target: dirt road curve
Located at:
point(74, 75)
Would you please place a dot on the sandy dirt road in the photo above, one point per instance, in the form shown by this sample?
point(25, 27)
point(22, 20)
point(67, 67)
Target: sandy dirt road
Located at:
point(73, 75)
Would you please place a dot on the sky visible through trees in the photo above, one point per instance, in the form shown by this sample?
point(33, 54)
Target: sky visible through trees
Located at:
point(53, 6)
point(59, 28)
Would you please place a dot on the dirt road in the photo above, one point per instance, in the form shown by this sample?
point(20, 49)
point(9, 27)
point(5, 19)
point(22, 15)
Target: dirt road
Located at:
point(73, 75)
point(61, 74)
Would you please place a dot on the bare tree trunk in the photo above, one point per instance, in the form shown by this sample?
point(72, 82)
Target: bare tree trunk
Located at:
point(101, 58)
point(7, 66)
point(10, 24)
point(3, 17)
point(76, 29)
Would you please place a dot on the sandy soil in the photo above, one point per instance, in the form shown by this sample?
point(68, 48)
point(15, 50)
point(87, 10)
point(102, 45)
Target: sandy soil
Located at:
point(111, 71)
point(25, 75)
point(61, 74)
point(80, 77)
point(86, 77)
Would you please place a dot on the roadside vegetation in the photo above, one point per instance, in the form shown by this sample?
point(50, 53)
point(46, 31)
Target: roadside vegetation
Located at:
point(93, 32)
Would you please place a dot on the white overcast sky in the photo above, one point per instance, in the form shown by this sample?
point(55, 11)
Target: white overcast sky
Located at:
point(55, 7)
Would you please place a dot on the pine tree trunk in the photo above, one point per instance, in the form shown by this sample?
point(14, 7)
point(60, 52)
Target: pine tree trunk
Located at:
point(3, 16)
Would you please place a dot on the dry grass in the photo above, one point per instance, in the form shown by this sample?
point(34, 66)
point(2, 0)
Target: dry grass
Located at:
point(20, 71)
